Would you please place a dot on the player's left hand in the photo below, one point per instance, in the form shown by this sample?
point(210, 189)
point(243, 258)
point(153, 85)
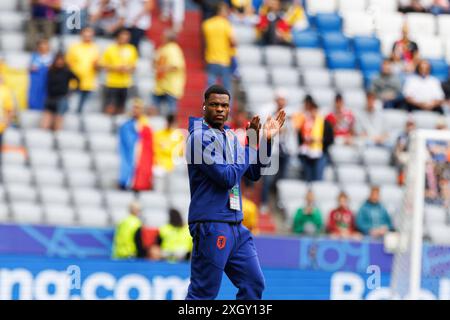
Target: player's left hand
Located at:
point(272, 126)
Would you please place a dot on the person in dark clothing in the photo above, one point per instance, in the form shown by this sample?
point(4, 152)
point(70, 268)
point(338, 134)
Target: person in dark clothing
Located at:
point(57, 104)
point(315, 136)
point(208, 7)
point(446, 88)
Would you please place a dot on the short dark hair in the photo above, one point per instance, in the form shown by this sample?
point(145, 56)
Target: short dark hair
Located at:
point(370, 93)
point(216, 89)
point(175, 218)
point(309, 99)
point(122, 30)
point(338, 97)
point(170, 119)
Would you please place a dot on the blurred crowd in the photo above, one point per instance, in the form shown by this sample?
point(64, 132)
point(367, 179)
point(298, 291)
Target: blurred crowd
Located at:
point(404, 82)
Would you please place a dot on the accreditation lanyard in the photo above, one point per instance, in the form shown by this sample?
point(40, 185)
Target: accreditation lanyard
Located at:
point(234, 192)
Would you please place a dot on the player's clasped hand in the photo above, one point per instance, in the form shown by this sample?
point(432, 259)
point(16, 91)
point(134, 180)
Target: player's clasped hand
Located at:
point(271, 127)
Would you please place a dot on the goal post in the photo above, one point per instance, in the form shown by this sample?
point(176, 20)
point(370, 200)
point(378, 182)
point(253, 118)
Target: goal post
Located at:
point(406, 276)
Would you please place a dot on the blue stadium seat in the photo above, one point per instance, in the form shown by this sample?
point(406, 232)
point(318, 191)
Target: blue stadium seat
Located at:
point(341, 60)
point(370, 62)
point(439, 69)
point(328, 22)
point(335, 41)
point(306, 39)
point(363, 44)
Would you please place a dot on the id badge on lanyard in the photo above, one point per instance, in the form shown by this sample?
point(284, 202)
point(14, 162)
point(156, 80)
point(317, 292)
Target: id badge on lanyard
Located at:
point(235, 203)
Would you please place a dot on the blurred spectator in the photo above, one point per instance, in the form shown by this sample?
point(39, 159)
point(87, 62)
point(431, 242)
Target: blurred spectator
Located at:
point(57, 103)
point(40, 62)
point(83, 58)
point(401, 154)
point(387, 86)
point(296, 17)
point(341, 222)
point(136, 151)
point(127, 243)
point(272, 27)
point(437, 169)
point(106, 17)
point(240, 120)
point(42, 21)
point(137, 18)
point(440, 7)
point(308, 220)
point(174, 240)
point(242, 12)
point(219, 45)
point(412, 6)
point(370, 126)
point(119, 60)
point(280, 151)
point(170, 69)
point(174, 9)
point(405, 51)
point(74, 16)
point(342, 121)
point(250, 211)
point(423, 91)
point(372, 218)
point(169, 149)
point(315, 136)
point(6, 114)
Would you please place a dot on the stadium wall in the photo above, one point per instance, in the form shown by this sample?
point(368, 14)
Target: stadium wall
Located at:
point(41, 262)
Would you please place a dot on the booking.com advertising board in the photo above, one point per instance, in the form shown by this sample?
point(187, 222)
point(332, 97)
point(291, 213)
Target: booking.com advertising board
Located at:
point(73, 263)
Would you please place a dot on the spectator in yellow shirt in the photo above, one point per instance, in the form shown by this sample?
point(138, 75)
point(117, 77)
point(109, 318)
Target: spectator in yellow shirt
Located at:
point(219, 44)
point(119, 60)
point(83, 58)
point(170, 74)
point(6, 114)
point(168, 145)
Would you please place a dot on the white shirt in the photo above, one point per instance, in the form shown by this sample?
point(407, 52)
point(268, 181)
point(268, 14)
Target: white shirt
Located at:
point(133, 8)
point(423, 90)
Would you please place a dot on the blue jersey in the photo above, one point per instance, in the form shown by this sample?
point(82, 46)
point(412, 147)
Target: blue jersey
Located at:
point(216, 164)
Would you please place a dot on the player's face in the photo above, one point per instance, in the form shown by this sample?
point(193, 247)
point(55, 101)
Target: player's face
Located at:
point(217, 108)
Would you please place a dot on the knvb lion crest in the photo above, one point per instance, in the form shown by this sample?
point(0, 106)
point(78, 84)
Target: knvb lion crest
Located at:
point(221, 242)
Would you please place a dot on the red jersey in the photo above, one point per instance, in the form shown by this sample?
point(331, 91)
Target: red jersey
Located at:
point(341, 219)
point(342, 123)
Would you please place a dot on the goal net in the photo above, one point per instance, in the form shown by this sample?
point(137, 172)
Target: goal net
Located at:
point(423, 224)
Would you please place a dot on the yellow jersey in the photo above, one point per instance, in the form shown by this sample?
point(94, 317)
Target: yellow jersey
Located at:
point(171, 82)
point(82, 58)
point(119, 56)
point(6, 106)
point(218, 34)
point(168, 144)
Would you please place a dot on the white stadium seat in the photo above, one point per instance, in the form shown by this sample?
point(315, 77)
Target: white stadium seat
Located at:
point(358, 24)
point(321, 6)
point(421, 24)
point(389, 23)
point(430, 47)
point(345, 6)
